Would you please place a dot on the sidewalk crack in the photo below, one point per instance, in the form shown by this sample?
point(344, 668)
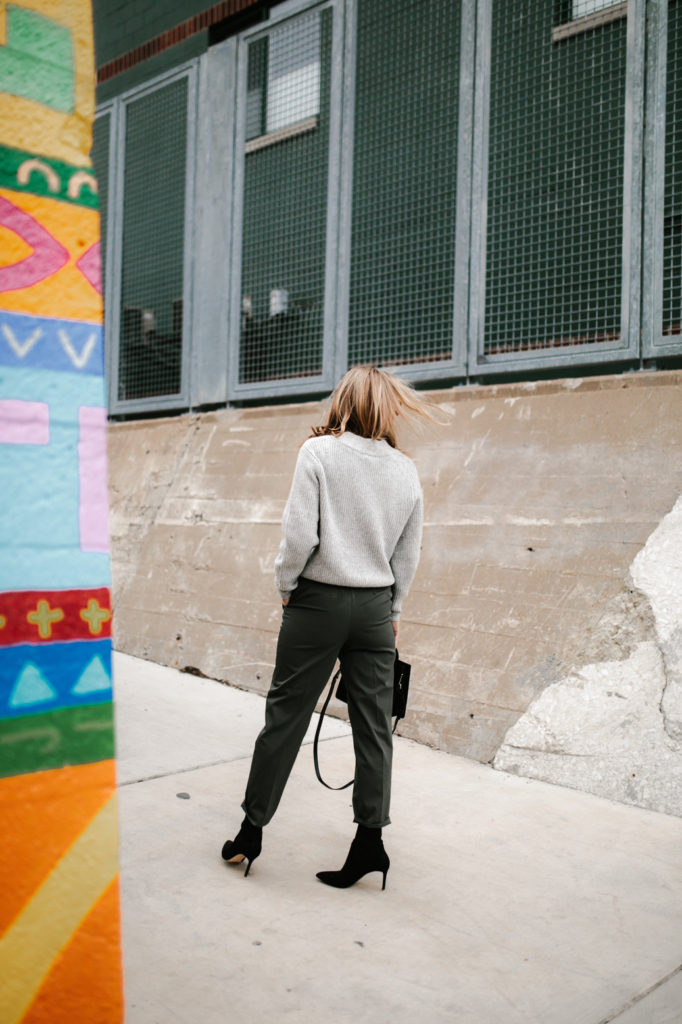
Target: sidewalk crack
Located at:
point(615, 1014)
point(214, 764)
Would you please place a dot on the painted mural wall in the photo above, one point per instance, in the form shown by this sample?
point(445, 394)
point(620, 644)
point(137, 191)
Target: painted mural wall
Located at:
point(59, 913)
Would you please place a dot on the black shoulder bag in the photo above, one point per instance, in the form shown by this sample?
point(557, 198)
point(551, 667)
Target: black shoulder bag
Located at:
point(401, 685)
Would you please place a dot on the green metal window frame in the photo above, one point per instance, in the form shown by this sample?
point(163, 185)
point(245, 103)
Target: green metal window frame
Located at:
point(453, 362)
point(627, 346)
point(116, 110)
point(654, 342)
point(337, 165)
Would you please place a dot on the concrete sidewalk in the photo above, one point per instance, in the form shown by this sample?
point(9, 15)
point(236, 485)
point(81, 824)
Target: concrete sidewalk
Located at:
point(508, 901)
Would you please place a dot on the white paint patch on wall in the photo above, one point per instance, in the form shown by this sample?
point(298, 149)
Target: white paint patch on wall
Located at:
point(657, 572)
point(614, 728)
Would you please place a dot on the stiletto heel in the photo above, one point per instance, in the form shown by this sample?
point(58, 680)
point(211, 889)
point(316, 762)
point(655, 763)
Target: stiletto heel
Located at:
point(246, 845)
point(366, 854)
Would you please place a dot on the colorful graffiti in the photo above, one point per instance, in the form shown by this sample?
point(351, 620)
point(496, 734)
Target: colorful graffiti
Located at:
point(59, 916)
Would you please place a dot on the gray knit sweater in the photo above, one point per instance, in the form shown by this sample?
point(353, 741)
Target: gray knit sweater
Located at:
point(353, 518)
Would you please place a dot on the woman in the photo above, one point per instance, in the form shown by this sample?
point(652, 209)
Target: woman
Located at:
point(352, 533)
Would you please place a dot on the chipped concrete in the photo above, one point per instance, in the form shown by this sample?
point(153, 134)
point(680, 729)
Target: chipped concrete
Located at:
point(536, 508)
point(614, 727)
point(657, 571)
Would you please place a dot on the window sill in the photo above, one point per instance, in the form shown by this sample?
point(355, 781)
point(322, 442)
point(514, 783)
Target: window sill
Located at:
point(589, 21)
point(309, 124)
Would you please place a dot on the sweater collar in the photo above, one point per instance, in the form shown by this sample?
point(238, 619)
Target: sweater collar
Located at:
point(368, 445)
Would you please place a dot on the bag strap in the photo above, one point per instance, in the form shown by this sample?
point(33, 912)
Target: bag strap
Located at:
point(319, 729)
point(317, 737)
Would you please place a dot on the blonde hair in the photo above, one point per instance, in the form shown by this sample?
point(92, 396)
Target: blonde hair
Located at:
point(367, 401)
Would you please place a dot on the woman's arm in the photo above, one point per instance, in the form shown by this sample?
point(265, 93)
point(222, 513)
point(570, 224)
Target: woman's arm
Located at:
point(406, 557)
point(300, 524)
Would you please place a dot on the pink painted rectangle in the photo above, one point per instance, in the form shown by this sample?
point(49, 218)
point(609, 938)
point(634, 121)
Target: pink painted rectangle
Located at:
point(93, 503)
point(24, 422)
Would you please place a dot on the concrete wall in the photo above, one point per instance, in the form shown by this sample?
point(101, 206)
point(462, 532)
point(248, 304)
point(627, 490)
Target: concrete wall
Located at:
point(539, 498)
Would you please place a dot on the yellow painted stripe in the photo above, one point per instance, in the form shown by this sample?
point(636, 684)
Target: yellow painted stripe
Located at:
point(30, 946)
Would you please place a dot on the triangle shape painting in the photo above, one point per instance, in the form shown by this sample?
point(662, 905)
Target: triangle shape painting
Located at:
point(93, 679)
point(31, 687)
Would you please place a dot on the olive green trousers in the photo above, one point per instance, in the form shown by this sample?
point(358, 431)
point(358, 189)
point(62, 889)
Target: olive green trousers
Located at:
point(320, 624)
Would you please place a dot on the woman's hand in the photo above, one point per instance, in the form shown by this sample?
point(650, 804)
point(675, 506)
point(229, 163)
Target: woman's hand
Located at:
point(396, 628)
point(285, 603)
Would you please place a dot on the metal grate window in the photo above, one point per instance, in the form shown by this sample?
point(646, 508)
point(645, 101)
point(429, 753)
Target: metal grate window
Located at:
point(284, 77)
point(151, 310)
point(285, 200)
point(582, 8)
point(555, 179)
point(672, 225)
point(101, 131)
point(404, 182)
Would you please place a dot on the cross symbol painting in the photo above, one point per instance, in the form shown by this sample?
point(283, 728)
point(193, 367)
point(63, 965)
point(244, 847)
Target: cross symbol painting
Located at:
point(35, 616)
point(43, 617)
point(95, 615)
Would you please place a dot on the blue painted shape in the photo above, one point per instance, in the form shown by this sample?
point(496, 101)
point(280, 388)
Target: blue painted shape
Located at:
point(61, 667)
point(93, 679)
point(37, 61)
point(40, 342)
point(31, 688)
point(30, 569)
point(39, 527)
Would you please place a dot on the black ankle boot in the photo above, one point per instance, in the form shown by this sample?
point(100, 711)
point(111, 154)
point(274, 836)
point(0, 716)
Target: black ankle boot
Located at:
point(366, 854)
point(246, 845)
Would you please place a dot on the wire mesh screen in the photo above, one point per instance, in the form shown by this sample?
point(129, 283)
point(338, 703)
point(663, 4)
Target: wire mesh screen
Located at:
point(150, 354)
point(581, 8)
point(404, 182)
point(285, 200)
point(555, 185)
point(672, 225)
point(101, 131)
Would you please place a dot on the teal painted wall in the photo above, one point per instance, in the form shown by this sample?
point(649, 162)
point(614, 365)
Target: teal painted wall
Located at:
point(153, 66)
point(121, 25)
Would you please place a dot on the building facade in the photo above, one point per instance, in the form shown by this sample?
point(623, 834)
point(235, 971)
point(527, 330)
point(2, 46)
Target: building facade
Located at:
point(480, 192)
point(461, 190)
